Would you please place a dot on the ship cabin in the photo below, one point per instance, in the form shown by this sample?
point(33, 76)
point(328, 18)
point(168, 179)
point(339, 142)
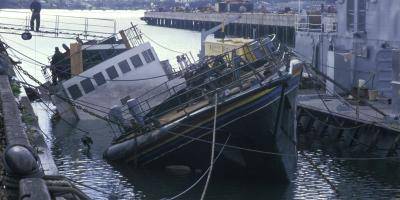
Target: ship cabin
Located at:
point(102, 74)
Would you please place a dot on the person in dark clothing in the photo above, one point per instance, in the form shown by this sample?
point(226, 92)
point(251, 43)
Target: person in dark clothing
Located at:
point(36, 7)
point(56, 65)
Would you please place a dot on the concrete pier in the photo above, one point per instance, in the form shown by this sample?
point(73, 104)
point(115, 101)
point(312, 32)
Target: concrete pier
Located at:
point(28, 170)
point(354, 128)
point(250, 25)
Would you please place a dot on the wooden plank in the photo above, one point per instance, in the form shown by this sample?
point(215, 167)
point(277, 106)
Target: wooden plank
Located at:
point(125, 39)
point(76, 59)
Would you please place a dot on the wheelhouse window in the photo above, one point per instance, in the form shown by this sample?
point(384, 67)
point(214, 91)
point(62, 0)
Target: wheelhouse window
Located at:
point(112, 72)
point(87, 85)
point(124, 66)
point(350, 15)
point(148, 56)
point(356, 15)
point(361, 15)
point(74, 91)
point(136, 61)
point(99, 78)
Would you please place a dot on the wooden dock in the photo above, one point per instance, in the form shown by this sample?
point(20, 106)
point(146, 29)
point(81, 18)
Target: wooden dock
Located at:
point(250, 25)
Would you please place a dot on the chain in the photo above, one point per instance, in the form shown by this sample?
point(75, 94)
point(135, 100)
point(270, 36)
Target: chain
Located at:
point(29, 76)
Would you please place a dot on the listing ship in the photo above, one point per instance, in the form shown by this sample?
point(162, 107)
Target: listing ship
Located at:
point(250, 95)
point(102, 74)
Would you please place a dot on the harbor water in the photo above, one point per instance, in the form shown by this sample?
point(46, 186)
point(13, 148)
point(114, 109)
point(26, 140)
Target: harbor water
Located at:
point(368, 179)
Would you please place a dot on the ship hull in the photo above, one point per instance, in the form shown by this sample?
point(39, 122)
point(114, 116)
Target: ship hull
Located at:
point(254, 138)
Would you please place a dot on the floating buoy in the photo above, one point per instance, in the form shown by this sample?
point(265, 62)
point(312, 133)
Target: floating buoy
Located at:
point(26, 36)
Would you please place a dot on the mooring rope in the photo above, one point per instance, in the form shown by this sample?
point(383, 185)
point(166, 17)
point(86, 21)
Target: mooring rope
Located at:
point(203, 175)
point(162, 46)
point(212, 147)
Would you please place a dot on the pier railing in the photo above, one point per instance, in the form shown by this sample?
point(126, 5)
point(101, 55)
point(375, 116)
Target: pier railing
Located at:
point(62, 26)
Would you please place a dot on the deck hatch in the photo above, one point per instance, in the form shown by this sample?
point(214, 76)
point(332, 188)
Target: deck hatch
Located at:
point(148, 56)
point(99, 78)
point(74, 91)
point(124, 66)
point(112, 72)
point(136, 61)
point(87, 85)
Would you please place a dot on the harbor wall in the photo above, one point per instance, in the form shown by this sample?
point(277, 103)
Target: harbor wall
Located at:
point(353, 138)
point(28, 170)
point(20, 160)
point(249, 25)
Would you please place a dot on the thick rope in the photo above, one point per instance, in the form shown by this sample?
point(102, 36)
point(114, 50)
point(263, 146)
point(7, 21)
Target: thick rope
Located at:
point(212, 147)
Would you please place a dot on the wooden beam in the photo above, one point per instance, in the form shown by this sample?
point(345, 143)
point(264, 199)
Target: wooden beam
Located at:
point(125, 39)
point(76, 59)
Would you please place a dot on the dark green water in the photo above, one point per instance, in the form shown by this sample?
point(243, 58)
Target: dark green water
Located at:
point(352, 179)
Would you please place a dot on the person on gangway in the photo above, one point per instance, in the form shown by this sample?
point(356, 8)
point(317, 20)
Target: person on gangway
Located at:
point(36, 7)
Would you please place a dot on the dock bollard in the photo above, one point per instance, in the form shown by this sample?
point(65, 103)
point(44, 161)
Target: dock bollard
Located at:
point(21, 162)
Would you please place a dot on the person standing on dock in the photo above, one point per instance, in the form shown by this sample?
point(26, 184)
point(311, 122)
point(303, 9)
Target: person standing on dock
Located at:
point(36, 7)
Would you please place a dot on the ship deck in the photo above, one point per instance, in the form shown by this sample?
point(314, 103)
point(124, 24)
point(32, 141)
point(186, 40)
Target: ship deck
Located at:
point(176, 114)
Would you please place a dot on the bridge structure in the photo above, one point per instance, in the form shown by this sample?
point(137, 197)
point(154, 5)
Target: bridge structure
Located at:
point(57, 26)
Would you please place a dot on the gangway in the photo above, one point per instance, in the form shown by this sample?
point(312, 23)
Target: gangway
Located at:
point(57, 26)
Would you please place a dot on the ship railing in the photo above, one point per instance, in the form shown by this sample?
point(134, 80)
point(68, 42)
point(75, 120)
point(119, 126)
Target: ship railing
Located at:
point(254, 74)
point(172, 90)
point(134, 35)
point(316, 23)
point(195, 63)
point(62, 26)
